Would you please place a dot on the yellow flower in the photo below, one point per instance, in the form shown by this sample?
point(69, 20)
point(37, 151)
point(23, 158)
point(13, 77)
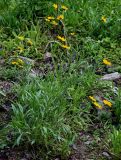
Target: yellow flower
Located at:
point(106, 62)
point(97, 105)
point(20, 61)
point(21, 49)
point(60, 17)
point(65, 46)
point(55, 6)
point(104, 19)
point(64, 7)
point(29, 42)
point(21, 38)
point(61, 38)
point(49, 18)
point(14, 63)
point(106, 102)
point(54, 23)
point(72, 33)
point(92, 98)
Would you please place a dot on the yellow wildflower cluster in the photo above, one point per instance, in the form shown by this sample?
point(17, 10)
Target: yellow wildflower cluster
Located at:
point(52, 20)
point(59, 17)
point(63, 40)
point(18, 62)
point(55, 21)
point(96, 104)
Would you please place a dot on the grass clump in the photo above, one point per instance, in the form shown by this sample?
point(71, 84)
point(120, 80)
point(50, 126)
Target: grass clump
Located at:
point(47, 113)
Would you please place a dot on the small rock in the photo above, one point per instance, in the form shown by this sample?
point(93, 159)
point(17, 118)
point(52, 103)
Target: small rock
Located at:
point(33, 74)
point(48, 56)
point(88, 142)
point(106, 155)
point(74, 147)
point(111, 76)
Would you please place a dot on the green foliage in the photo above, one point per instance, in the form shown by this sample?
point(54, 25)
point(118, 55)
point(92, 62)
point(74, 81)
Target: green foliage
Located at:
point(52, 108)
point(115, 138)
point(48, 111)
point(117, 107)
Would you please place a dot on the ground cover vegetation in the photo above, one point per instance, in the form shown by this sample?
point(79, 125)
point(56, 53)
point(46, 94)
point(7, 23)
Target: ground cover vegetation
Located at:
point(54, 100)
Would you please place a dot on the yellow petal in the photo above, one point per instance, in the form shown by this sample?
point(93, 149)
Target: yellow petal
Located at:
point(72, 33)
point(92, 98)
point(64, 7)
point(65, 46)
point(54, 23)
point(97, 105)
point(61, 38)
point(50, 18)
point(55, 6)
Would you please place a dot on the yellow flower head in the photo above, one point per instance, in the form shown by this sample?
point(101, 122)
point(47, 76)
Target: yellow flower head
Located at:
point(54, 23)
point(106, 62)
point(92, 98)
point(49, 18)
point(14, 63)
point(106, 102)
point(21, 38)
point(29, 42)
point(72, 33)
point(61, 38)
point(65, 46)
point(97, 105)
point(64, 7)
point(104, 19)
point(20, 61)
point(21, 49)
point(55, 6)
point(60, 17)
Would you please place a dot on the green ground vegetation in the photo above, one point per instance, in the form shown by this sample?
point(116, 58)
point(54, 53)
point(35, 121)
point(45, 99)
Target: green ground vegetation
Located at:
point(53, 53)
